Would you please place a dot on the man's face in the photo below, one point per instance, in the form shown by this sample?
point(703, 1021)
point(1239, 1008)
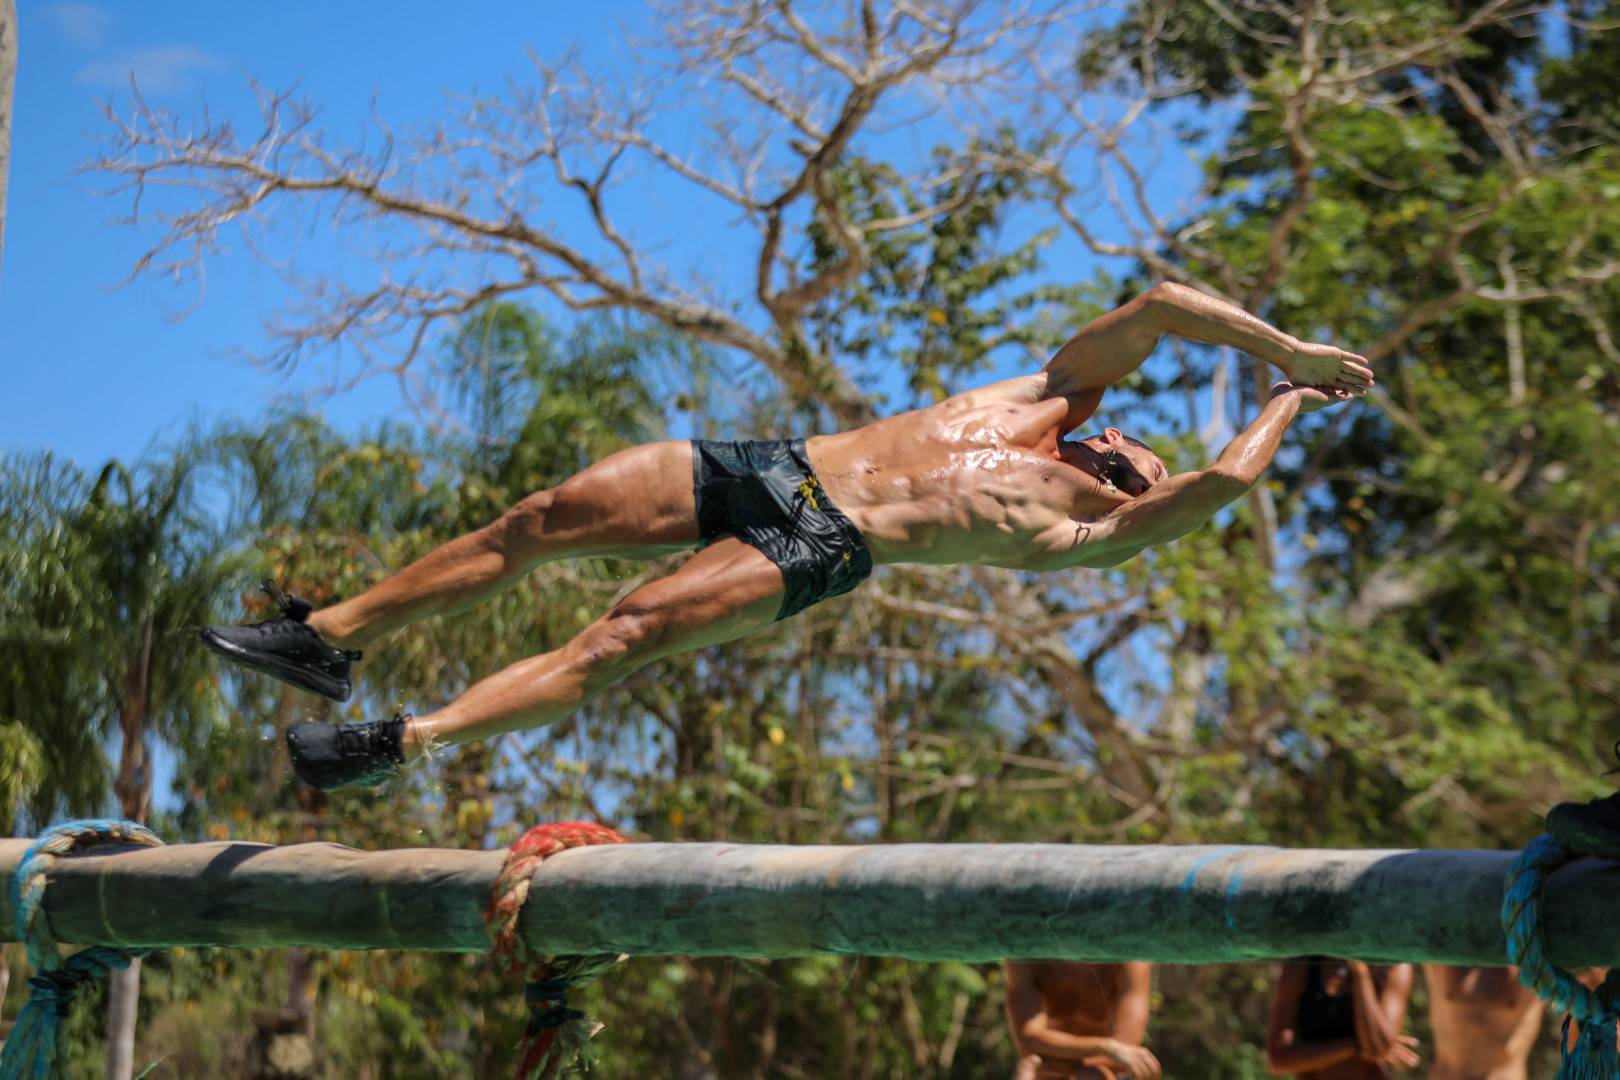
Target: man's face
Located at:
point(1132, 467)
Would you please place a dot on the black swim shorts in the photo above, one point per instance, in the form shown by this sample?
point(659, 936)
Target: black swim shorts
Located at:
point(764, 492)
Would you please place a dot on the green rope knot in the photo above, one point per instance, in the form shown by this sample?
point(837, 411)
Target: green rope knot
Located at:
point(31, 1051)
point(1594, 1056)
point(547, 1000)
point(61, 988)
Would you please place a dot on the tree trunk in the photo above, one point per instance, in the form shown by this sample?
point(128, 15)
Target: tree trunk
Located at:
point(301, 990)
point(1262, 507)
point(302, 980)
point(8, 82)
point(134, 784)
point(123, 1000)
point(134, 790)
point(5, 977)
point(284, 1038)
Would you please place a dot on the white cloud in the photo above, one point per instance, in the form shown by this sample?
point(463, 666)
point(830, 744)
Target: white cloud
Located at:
point(159, 69)
point(85, 25)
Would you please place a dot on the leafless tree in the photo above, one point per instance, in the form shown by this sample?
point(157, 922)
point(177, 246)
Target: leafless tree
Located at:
point(551, 187)
point(534, 189)
point(561, 186)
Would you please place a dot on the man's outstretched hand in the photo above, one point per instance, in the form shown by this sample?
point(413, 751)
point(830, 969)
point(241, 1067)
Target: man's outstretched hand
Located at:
point(1325, 366)
point(1312, 398)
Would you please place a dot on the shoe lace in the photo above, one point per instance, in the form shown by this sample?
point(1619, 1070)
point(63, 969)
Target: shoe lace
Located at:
point(365, 740)
point(291, 606)
point(295, 608)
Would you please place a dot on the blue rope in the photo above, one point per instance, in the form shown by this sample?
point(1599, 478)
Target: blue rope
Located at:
point(1594, 1056)
point(30, 1052)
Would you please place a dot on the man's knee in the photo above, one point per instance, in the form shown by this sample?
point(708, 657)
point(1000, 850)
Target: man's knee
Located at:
point(624, 638)
point(520, 531)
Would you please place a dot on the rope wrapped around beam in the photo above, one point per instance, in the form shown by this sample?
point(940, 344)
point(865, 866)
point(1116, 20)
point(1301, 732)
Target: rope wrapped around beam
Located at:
point(1594, 1056)
point(31, 1050)
point(557, 1037)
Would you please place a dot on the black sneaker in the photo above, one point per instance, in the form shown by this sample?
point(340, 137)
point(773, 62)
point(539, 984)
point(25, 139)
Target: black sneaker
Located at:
point(1589, 828)
point(331, 756)
point(286, 648)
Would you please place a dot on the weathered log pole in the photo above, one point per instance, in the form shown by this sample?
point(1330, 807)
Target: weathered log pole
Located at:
point(972, 902)
point(8, 83)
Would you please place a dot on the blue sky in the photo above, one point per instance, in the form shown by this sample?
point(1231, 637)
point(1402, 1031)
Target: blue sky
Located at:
point(94, 370)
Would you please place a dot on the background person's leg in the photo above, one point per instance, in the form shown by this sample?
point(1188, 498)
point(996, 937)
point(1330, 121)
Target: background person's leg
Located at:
point(723, 592)
point(637, 503)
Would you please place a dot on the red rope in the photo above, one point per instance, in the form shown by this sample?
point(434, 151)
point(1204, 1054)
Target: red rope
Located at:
point(556, 1034)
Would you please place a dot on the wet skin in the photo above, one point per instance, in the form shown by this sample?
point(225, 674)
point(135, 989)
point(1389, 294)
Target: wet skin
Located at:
point(982, 478)
point(986, 477)
point(1485, 1022)
point(1079, 1021)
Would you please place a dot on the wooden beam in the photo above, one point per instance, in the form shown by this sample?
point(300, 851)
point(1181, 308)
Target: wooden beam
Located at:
point(972, 902)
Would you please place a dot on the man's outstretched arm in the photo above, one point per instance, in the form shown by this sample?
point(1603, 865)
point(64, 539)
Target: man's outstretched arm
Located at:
point(1177, 506)
point(1113, 346)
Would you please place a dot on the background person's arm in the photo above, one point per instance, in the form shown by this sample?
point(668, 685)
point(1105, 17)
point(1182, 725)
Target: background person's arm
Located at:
point(1135, 1004)
point(1380, 1014)
point(1033, 1032)
point(1175, 507)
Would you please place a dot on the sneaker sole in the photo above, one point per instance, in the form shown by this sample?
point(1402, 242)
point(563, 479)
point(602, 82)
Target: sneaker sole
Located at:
point(326, 686)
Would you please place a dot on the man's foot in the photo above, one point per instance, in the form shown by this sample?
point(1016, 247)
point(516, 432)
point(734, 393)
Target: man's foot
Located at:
point(329, 756)
point(287, 648)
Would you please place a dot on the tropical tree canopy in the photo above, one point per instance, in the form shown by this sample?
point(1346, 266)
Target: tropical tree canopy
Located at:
point(1404, 637)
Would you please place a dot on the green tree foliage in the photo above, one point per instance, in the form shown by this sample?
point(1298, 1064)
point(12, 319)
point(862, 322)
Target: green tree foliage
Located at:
point(1405, 638)
point(52, 744)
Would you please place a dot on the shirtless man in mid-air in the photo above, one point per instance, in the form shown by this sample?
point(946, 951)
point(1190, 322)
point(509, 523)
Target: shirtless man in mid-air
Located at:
point(1080, 1021)
point(1485, 1022)
point(986, 477)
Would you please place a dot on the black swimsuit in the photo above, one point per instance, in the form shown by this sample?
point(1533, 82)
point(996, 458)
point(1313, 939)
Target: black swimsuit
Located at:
point(765, 493)
point(1323, 1017)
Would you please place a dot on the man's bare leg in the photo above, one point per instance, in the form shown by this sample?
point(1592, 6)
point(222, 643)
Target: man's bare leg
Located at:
point(723, 592)
point(637, 503)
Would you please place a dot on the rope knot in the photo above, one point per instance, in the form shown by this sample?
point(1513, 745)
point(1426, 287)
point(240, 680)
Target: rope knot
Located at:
point(557, 1037)
point(547, 1000)
point(58, 989)
point(1594, 1056)
point(57, 982)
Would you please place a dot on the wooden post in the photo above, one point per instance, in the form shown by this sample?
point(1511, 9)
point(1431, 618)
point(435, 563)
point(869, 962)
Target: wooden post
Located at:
point(970, 902)
point(8, 82)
